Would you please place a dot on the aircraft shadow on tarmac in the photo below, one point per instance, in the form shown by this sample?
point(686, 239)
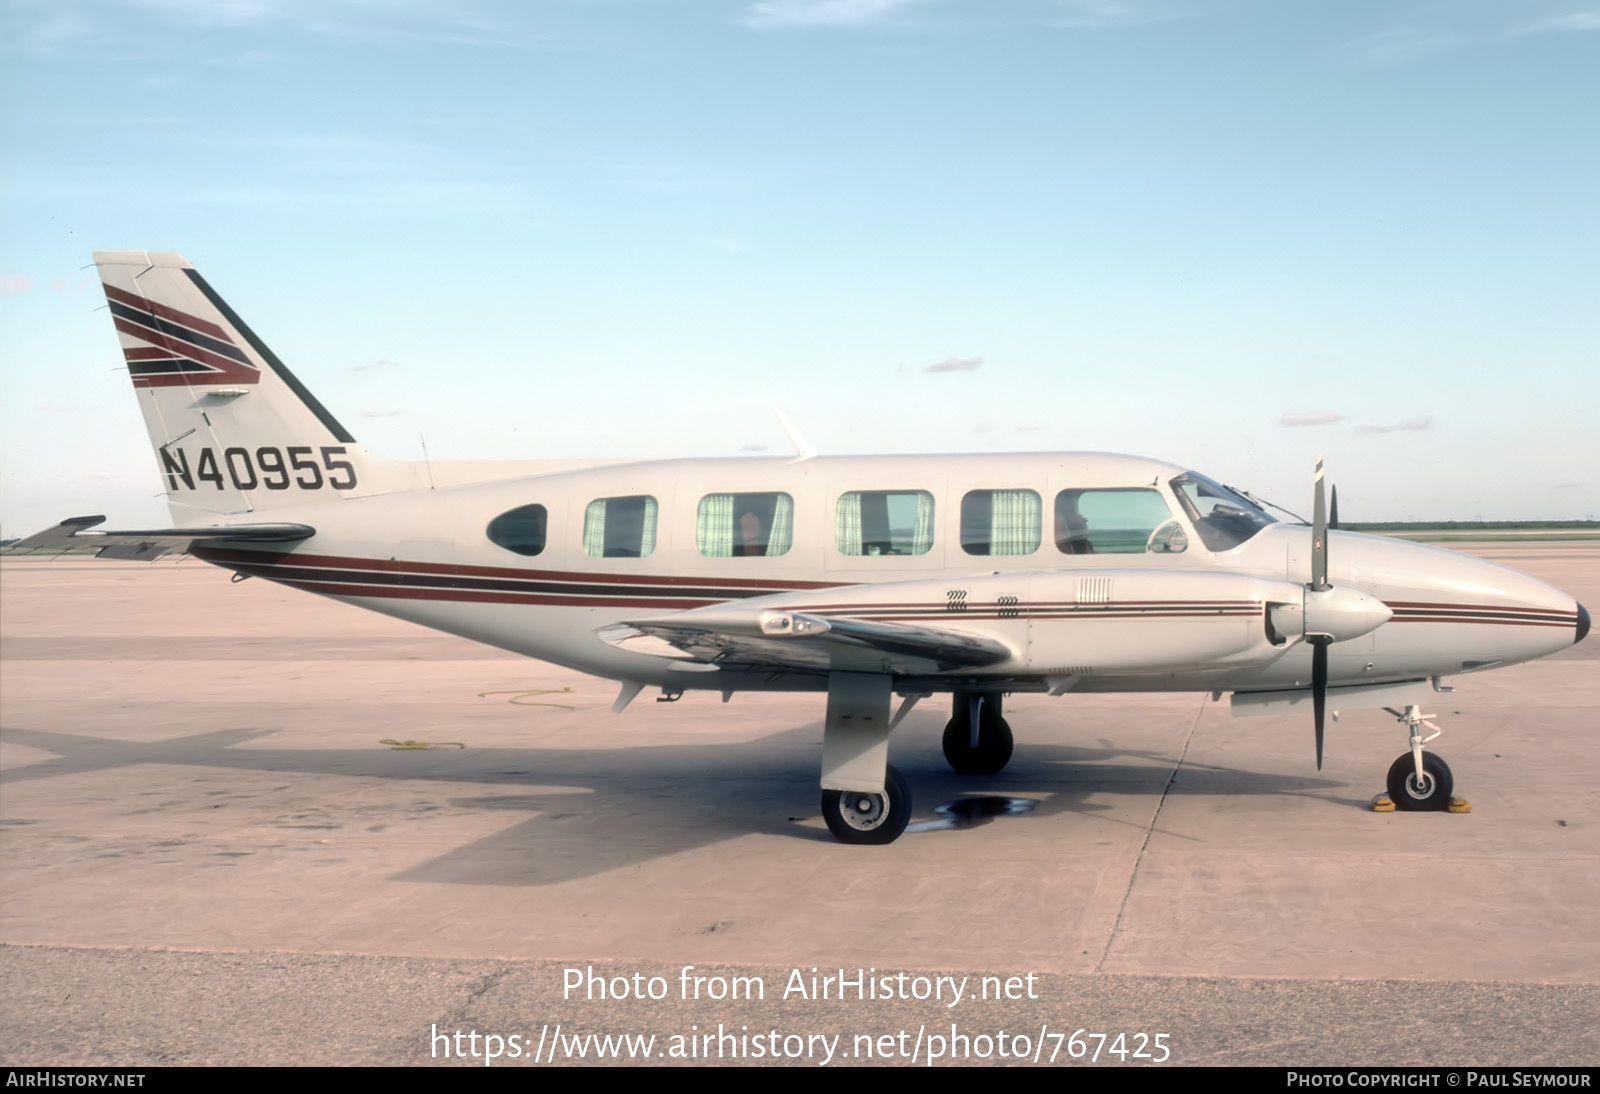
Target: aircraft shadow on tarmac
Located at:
point(593, 810)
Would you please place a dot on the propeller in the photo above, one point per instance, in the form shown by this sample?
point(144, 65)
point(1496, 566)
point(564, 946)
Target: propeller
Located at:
point(1319, 583)
point(1331, 615)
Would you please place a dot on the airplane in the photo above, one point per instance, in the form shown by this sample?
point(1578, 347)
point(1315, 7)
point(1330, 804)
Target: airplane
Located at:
point(866, 578)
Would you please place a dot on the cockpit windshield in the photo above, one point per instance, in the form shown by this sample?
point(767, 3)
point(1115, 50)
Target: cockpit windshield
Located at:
point(1222, 518)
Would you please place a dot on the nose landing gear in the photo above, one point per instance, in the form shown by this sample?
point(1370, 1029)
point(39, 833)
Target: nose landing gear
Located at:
point(1419, 781)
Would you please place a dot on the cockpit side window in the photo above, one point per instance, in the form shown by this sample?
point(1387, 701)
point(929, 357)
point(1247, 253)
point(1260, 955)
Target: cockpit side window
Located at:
point(1112, 521)
point(1222, 518)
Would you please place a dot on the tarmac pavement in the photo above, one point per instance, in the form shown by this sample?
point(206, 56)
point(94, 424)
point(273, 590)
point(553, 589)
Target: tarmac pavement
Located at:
point(208, 855)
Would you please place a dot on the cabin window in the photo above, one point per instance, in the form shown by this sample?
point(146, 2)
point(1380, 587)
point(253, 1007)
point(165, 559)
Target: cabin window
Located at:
point(884, 522)
point(1101, 522)
point(1000, 522)
point(521, 529)
point(620, 527)
point(743, 525)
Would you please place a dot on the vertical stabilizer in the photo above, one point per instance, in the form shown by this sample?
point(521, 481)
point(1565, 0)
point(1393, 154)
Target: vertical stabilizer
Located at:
point(233, 430)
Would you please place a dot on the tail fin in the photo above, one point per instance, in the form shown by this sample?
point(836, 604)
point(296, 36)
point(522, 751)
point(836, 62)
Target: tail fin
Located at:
point(233, 430)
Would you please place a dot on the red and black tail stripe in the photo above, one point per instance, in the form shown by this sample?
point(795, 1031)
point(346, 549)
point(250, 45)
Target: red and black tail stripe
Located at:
point(1427, 612)
point(178, 348)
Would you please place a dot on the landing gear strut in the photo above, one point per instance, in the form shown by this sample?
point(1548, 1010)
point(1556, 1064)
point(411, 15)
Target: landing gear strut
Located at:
point(1419, 781)
point(977, 741)
point(864, 799)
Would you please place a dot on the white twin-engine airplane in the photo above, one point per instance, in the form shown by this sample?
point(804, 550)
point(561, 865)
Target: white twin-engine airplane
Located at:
point(865, 577)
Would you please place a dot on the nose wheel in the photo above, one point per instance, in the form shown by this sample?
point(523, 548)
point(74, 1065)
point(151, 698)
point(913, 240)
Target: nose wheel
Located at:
point(1417, 794)
point(1419, 781)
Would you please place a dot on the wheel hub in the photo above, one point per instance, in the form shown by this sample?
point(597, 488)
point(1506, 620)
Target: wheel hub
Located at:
point(863, 812)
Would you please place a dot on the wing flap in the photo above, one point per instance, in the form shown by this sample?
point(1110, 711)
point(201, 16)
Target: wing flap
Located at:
point(146, 544)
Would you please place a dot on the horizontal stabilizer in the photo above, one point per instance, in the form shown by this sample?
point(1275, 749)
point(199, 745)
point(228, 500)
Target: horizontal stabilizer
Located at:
point(146, 544)
point(747, 634)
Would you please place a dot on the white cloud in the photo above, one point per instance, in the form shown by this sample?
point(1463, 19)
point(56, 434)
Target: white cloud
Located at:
point(723, 243)
point(1571, 22)
point(373, 412)
point(382, 362)
point(772, 14)
point(955, 364)
point(1417, 423)
point(1313, 417)
point(1393, 47)
point(442, 21)
point(1106, 14)
point(11, 284)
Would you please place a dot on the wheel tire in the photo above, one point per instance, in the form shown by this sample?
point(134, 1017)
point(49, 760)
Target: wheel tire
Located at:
point(856, 817)
point(994, 745)
point(1433, 794)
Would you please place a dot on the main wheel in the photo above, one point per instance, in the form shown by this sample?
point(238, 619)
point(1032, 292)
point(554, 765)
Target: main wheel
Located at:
point(857, 817)
point(994, 745)
point(1431, 793)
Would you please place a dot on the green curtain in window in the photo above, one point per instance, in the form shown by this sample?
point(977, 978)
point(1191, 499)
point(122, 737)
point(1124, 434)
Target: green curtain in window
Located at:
point(647, 538)
point(782, 536)
point(594, 529)
point(713, 527)
point(1013, 522)
point(847, 524)
point(922, 536)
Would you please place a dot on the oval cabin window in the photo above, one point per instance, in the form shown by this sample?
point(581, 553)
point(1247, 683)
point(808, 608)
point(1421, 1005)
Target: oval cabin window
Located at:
point(521, 530)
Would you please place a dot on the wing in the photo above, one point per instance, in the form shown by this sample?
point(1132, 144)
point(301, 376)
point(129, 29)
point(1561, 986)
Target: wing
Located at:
point(749, 635)
point(74, 534)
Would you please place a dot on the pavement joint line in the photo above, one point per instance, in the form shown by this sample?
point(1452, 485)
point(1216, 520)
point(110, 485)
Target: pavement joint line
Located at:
point(1155, 816)
point(512, 964)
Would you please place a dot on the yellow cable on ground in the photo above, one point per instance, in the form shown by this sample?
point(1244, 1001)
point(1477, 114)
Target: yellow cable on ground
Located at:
point(519, 701)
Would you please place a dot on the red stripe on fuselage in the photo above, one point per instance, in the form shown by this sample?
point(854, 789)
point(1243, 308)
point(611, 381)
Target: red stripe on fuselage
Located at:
point(477, 596)
point(226, 557)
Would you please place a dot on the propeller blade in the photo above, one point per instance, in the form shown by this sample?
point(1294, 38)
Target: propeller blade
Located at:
point(1319, 534)
point(1333, 507)
point(1319, 685)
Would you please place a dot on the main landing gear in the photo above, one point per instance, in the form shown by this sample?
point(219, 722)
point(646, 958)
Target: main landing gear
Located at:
point(1419, 781)
point(859, 816)
point(864, 799)
point(977, 740)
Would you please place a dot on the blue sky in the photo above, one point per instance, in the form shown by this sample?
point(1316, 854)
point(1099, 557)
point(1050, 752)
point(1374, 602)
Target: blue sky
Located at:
point(1228, 233)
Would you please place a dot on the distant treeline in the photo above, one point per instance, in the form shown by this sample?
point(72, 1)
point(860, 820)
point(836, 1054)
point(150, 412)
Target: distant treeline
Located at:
point(1473, 526)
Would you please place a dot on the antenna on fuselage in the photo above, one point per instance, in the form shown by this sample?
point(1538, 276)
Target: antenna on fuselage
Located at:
point(802, 447)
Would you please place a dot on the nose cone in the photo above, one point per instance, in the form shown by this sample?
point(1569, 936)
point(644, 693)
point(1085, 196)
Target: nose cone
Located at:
point(1583, 624)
